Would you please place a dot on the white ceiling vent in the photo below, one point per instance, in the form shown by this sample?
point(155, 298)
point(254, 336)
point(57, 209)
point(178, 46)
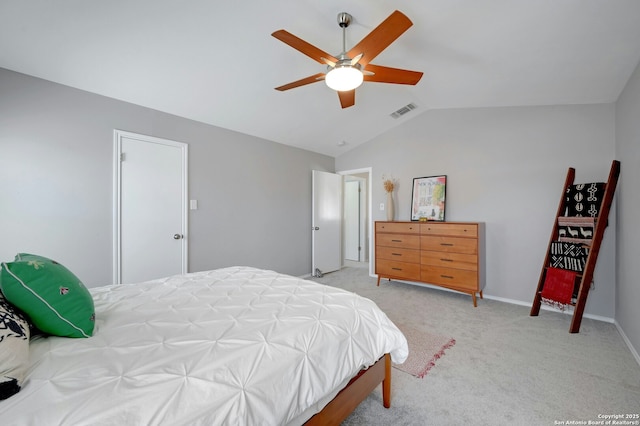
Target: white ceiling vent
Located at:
point(402, 111)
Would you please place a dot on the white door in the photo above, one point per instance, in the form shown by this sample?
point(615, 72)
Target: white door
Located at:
point(326, 222)
point(352, 220)
point(151, 208)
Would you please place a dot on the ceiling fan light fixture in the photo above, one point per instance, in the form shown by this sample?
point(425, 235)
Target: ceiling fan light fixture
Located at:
point(344, 78)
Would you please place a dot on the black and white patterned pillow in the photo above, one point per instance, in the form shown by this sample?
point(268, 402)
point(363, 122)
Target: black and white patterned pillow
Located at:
point(14, 348)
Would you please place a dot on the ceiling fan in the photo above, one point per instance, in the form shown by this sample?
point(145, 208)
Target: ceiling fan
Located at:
point(349, 69)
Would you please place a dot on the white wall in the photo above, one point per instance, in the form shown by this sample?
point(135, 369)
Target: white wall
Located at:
point(628, 150)
point(56, 151)
point(505, 167)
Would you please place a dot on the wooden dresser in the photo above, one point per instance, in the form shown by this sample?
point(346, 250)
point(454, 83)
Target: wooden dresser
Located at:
point(445, 254)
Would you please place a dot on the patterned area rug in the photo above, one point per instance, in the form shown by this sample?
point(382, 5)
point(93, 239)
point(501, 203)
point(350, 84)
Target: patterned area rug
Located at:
point(424, 350)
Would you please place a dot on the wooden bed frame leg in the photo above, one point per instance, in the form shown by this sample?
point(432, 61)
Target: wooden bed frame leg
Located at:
point(386, 382)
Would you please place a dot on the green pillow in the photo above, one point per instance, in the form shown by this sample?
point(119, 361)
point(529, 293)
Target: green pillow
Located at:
point(53, 298)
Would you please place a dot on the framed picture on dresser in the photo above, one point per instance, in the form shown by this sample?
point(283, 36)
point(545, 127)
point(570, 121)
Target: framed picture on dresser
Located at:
point(428, 198)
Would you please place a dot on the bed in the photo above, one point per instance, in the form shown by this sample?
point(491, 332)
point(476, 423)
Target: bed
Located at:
point(233, 346)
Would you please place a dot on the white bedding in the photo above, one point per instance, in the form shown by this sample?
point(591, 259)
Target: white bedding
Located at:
point(233, 346)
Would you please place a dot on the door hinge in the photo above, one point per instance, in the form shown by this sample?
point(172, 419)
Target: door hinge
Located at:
point(122, 156)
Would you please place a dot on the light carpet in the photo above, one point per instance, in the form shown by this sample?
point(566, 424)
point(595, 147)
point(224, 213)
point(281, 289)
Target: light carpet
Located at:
point(425, 349)
point(506, 368)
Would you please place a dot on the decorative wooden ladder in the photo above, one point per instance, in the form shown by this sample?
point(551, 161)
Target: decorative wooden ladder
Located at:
point(586, 277)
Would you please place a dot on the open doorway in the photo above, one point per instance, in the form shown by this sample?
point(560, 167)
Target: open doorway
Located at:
point(356, 223)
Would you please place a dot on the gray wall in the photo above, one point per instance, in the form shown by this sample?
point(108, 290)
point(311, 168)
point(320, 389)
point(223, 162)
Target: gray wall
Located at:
point(628, 150)
point(56, 173)
point(505, 167)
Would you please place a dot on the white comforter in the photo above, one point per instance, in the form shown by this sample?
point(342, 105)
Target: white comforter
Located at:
point(234, 346)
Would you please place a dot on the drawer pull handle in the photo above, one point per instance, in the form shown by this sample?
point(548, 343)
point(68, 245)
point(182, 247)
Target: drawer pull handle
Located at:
point(396, 254)
point(446, 244)
point(397, 269)
point(397, 241)
point(447, 276)
point(446, 260)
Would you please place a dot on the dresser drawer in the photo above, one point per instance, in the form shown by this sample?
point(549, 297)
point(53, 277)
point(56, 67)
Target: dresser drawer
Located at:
point(394, 269)
point(449, 244)
point(467, 262)
point(398, 227)
point(453, 229)
point(448, 277)
point(399, 254)
point(398, 240)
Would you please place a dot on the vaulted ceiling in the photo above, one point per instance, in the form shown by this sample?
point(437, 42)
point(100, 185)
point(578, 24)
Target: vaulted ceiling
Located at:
point(216, 62)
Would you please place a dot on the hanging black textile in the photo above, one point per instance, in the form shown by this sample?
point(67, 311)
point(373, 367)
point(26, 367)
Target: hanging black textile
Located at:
point(576, 229)
point(568, 255)
point(585, 199)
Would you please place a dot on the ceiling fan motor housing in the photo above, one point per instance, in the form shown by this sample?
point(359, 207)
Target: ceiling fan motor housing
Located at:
point(344, 19)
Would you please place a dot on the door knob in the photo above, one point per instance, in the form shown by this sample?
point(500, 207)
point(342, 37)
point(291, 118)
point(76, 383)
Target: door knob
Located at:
point(177, 236)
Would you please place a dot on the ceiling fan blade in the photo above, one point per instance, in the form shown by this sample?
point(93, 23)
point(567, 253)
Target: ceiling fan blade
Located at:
point(347, 98)
point(302, 82)
point(391, 75)
point(328, 62)
point(302, 46)
point(381, 37)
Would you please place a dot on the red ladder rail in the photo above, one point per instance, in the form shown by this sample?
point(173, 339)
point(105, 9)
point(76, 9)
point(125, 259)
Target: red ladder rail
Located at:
point(537, 299)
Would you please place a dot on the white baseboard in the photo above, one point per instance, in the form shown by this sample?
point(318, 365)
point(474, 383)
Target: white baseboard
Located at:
point(628, 342)
point(568, 311)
